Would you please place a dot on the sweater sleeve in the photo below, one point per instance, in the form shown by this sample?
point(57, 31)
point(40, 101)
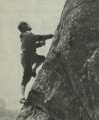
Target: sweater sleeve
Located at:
point(43, 37)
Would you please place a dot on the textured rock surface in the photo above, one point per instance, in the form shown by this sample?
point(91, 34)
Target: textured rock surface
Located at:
point(67, 87)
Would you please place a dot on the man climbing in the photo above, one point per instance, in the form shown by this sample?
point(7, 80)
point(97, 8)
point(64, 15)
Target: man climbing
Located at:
point(29, 43)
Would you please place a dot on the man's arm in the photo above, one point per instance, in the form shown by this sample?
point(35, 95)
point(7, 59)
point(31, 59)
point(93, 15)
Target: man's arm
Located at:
point(39, 40)
point(43, 37)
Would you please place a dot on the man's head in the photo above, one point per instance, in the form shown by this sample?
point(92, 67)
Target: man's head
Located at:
point(23, 27)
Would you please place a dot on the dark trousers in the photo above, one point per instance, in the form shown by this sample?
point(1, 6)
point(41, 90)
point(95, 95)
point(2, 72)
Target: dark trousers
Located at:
point(27, 62)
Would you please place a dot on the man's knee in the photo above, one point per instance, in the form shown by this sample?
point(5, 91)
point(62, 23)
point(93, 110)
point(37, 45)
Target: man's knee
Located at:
point(42, 58)
point(39, 59)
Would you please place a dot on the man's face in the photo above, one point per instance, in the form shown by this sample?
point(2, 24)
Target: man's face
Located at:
point(29, 27)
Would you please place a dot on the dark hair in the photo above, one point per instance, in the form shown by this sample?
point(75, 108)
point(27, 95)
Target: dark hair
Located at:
point(23, 27)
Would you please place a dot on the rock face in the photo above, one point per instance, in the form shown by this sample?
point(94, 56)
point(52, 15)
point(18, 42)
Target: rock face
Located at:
point(67, 86)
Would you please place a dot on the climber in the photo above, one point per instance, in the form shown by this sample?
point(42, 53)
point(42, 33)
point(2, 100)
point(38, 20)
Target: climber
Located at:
point(29, 58)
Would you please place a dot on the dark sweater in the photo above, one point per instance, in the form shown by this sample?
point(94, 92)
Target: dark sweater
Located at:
point(31, 41)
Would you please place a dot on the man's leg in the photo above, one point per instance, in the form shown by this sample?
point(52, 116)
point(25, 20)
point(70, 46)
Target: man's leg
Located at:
point(38, 60)
point(22, 92)
point(26, 61)
point(26, 78)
